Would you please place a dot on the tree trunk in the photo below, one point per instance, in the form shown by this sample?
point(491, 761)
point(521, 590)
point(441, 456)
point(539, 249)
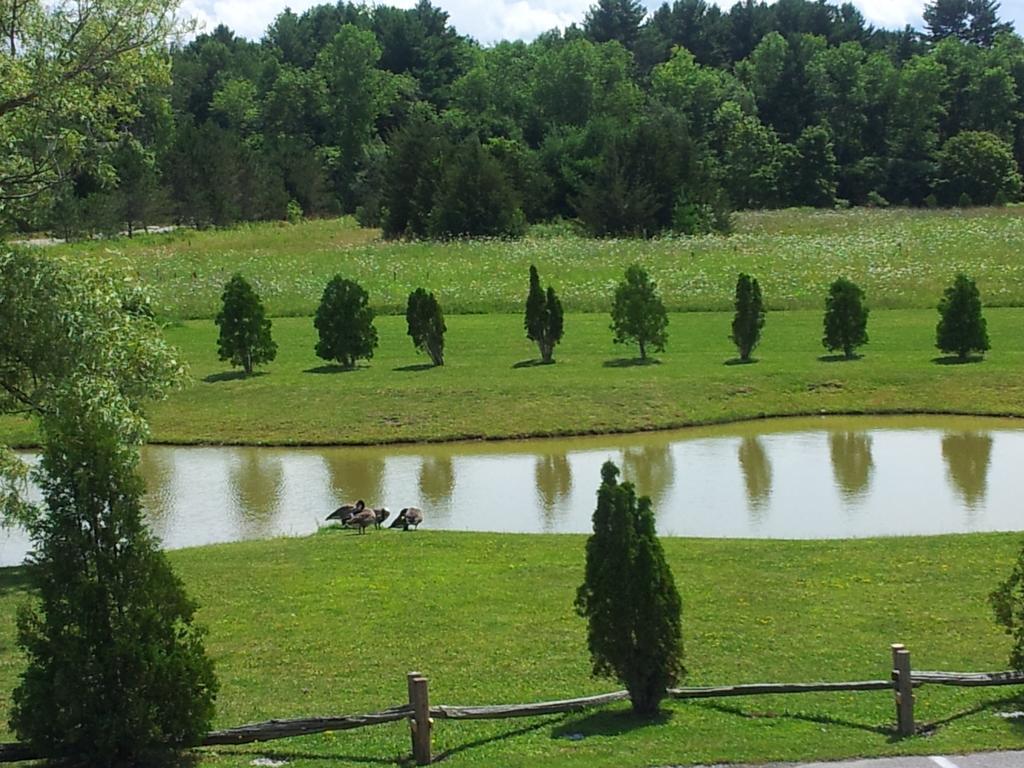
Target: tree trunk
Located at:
point(643, 350)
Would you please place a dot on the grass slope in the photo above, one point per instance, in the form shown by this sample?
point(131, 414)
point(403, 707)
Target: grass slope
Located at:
point(489, 389)
point(330, 624)
point(901, 257)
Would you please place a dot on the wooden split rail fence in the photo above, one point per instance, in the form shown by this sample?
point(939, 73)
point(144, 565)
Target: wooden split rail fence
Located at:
point(421, 715)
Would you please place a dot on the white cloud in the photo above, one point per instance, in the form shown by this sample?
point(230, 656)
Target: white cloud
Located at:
point(495, 20)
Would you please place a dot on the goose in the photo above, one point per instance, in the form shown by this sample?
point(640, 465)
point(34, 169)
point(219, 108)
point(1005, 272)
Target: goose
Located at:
point(345, 512)
point(382, 514)
point(409, 516)
point(361, 520)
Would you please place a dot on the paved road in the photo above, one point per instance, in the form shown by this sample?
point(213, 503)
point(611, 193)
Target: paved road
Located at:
point(981, 760)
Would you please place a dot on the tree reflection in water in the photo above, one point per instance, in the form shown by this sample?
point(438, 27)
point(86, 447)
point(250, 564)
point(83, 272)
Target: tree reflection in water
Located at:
point(967, 456)
point(553, 478)
point(757, 474)
point(254, 477)
point(354, 477)
point(437, 482)
point(651, 470)
point(852, 463)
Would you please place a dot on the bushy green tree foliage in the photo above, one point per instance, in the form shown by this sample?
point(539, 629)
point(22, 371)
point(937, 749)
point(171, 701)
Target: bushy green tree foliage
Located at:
point(115, 666)
point(962, 328)
point(749, 318)
point(629, 597)
point(425, 320)
point(980, 165)
point(846, 318)
point(544, 321)
point(344, 323)
point(1007, 601)
point(638, 315)
point(617, 20)
point(244, 337)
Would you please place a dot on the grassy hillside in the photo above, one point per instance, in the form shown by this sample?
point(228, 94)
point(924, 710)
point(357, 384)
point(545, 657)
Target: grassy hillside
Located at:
point(330, 624)
point(902, 258)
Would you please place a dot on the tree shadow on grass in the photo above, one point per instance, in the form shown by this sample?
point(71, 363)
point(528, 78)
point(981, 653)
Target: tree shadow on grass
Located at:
point(213, 378)
point(732, 709)
point(415, 368)
point(521, 731)
point(531, 363)
point(630, 362)
point(957, 360)
point(840, 358)
point(738, 361)
point(335, 368)
point(1017, 701)
point(610, 723)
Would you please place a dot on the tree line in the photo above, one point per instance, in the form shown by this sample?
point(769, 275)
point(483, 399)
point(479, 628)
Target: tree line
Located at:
point(630, 124)
point(346, 334)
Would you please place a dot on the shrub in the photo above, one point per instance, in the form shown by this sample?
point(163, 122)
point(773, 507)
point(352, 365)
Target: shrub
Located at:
point(875, 200)
point(975, 167)
point(961, 328)
point(846, 318)
point(426, 324)
point(749, 318)
point(629, 597)
point(244, 327)
point(1007, 601)
point(344, 322)
point(544, 321)
point(638, 313)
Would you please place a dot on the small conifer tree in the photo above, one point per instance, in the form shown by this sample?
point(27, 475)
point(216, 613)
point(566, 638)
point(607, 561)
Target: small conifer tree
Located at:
point(245, 337)
point(425, 319)
point(344, 321)
point(961, 328)
point(629, 597)
point(638, 314)
point(1007, 602)
point(544, 320)
point(749, 318)
point(846, 318)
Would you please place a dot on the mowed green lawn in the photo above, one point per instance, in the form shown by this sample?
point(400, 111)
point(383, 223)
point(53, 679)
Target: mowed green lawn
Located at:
point(902, 258)
point(490, 388)
point(330, 624)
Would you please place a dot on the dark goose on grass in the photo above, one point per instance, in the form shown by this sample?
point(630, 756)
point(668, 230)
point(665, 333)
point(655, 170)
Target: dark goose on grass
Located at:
point(789, 478)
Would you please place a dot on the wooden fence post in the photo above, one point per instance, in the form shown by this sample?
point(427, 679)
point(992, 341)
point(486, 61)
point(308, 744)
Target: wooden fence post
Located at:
point(903, 689)
point(420, 722)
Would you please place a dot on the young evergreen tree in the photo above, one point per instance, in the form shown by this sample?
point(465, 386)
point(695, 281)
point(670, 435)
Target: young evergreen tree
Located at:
point(1007, 601)
point(961, 328)
point(244, 327)
point(638, 314)
point(749, 318)
point(629, 597)
point(344, 322)
point(544, 320)
point(115, 667)
point(426, 324)
point(846, 318)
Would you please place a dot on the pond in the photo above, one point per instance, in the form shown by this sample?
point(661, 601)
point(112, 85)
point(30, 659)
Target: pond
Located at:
point(829, 477)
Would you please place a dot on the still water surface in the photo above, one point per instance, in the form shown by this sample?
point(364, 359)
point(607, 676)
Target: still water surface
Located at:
point(790, 478)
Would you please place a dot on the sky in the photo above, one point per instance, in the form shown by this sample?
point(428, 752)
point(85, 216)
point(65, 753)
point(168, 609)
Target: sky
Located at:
point(489, 21)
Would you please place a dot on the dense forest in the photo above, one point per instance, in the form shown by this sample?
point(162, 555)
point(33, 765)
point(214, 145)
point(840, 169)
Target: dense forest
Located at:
point(628, 123)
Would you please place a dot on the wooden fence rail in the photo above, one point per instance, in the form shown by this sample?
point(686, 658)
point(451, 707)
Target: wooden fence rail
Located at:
point(421, 715)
